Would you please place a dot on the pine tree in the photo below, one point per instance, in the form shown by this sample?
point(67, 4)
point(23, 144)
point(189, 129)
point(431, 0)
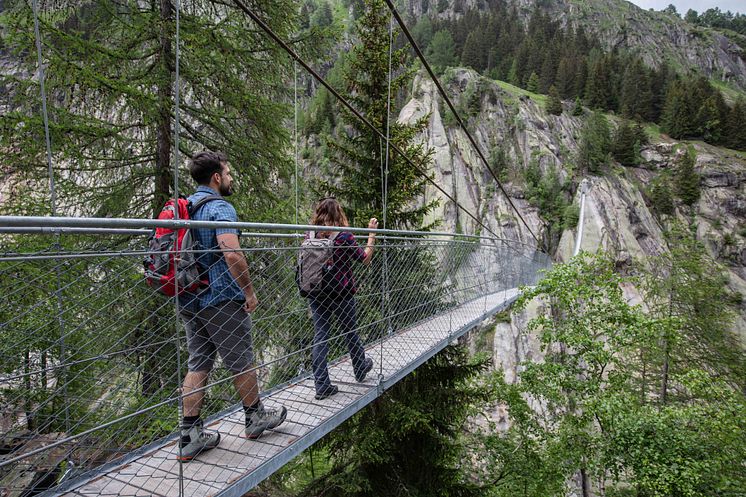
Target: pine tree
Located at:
point(577, 110)
point(625, 147)
point(678, 112)
point(565, 78)
point(533, 83)
point(110, 74)
point(472, 55)
point(687, 179)
point(735, 130)
point(597, 94)
point(595, 143)
point(661, 196)
point(554, 103)
point(358, 152)
point(442, 51)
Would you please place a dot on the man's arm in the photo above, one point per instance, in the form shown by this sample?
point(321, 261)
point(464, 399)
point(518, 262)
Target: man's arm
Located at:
point(239, 268)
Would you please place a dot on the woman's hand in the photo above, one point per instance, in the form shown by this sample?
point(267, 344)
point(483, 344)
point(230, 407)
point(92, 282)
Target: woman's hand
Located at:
point(372, 224)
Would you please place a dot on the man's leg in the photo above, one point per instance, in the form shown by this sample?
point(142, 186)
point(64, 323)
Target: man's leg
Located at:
point(230, 330)
point(194, 439)
point(247, 388)
point(193, 392)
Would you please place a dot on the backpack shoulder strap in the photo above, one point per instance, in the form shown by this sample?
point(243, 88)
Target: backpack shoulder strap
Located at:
point(207, 198)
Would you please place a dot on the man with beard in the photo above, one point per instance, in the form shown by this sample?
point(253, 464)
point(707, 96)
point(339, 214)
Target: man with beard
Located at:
point(217, 319)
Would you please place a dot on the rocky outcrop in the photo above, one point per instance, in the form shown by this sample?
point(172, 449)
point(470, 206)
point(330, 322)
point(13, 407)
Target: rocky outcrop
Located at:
point(617, 216)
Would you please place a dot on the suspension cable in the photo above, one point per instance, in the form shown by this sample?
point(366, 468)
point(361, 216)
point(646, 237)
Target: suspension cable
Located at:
point(176, 161)
point(442, 92)
point(241, 5)
point(53, 208)
point(295, 133)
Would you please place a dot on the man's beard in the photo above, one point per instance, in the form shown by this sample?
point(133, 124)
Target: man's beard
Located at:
point(225, 190)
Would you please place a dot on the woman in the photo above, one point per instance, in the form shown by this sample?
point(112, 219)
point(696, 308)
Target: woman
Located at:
point(337, 297)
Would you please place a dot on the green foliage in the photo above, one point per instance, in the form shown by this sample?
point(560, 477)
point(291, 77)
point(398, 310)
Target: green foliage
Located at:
point(577, 110)
point(661, 195)
point(599, 415)
point(627, 143)
point(595, 143)
point(686, 180)
point(358, 154)
point(408, 442)
point(550, 195)
point(110, 70)
point(533, 83)
point(686, 290)
point(554, 104)
point(442, 51)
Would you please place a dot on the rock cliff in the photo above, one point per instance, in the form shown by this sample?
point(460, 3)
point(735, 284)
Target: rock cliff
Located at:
point(617, 217)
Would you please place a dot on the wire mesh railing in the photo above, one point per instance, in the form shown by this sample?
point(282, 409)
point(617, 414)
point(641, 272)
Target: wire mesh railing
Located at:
point(93, 359)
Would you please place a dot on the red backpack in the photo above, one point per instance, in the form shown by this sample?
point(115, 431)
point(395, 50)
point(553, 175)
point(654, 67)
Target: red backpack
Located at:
point(171, 256)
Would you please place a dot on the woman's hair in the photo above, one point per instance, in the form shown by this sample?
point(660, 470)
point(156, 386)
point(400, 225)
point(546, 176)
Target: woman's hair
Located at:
point(328, 212)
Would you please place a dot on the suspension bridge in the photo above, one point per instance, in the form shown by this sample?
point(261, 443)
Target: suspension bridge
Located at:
point(93, 358)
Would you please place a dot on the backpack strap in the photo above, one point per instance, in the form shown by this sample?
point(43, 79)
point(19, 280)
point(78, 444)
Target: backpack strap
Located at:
point(207, 198)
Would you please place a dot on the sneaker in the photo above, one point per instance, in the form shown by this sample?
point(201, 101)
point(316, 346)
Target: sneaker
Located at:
point(199, 441)
point(264, 419)
point(328, 392)
point(360, 376)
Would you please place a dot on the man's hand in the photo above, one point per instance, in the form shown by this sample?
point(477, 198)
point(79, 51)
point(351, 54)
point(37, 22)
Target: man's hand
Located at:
point(373, 224)
point(251, 302)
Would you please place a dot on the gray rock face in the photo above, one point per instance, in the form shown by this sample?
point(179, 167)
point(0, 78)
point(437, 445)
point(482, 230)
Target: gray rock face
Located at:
point(617, 218)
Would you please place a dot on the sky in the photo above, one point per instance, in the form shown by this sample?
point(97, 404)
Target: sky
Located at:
point(699, 5)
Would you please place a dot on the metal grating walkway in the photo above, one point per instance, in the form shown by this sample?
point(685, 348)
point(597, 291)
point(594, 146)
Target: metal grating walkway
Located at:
point(239, 464)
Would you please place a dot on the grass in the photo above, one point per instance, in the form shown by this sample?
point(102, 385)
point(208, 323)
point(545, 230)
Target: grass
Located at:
point(730, 93)
point(654, 131)
point(514, 90)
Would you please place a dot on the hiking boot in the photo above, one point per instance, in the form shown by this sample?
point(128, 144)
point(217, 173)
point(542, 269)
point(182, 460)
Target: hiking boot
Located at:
point(264, 419)
point(368, 365)
point(327, 392)
point(198, 441)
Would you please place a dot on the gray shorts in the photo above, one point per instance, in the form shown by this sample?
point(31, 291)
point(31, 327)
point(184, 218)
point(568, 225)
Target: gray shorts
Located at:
point(225, 328)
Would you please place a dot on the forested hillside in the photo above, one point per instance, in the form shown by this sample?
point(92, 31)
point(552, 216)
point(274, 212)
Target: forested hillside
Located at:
point(621, 374)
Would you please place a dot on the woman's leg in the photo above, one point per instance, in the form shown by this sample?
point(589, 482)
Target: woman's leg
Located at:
point(346, 311)
point(321, 323)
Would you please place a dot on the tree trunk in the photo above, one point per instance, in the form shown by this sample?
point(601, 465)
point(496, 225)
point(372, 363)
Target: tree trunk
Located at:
point(664, 374)
point(584, 483)
point(150, 383)
point(163, 174)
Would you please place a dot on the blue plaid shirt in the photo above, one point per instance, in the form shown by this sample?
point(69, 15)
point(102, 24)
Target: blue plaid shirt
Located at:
point(222, 285)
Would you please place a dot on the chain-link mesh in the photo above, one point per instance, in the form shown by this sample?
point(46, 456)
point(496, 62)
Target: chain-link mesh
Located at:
point(89, 381)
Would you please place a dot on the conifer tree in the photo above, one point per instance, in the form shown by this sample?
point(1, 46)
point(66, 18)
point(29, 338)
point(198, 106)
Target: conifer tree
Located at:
point(442, 51)
point(577, 110)
point(661, 195)
point(565, 81)
point(626, 145)
point(554, 103)
point(110, 75)
point(597, 86)
point(678, 112)
point(735, 129)
point(472, 55)
point(358, 152)
point(533, 83)
point(687, 179)
point(595, 143)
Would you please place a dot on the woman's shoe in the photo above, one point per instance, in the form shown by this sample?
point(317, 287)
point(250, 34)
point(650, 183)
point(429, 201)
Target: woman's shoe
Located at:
point(367, 366)
point(328, 392)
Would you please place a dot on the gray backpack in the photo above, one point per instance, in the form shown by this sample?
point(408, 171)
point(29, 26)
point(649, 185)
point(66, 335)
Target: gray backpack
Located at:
point(314, 261)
